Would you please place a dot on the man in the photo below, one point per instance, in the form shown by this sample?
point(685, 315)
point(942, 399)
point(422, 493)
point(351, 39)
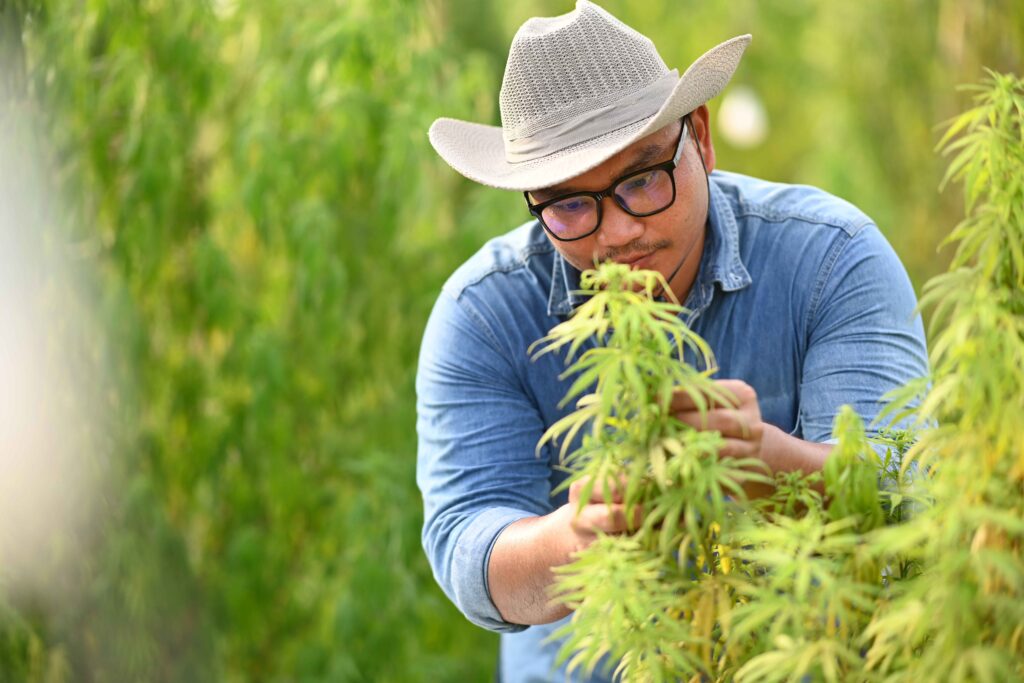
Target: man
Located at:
point(801, 298)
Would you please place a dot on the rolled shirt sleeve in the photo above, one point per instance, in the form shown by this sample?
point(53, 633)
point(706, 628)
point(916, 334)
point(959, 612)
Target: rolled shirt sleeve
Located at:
point(477, 466)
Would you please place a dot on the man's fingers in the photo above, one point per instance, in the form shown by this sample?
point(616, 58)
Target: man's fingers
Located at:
point(609, 519)
point(733, 393)
point(683, 400)
point(737, 448)
point(614, 488)
point(727, 421)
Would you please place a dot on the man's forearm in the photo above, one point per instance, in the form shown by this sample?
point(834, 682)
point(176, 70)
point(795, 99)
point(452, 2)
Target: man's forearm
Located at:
point(785, 453)
point(519, 572)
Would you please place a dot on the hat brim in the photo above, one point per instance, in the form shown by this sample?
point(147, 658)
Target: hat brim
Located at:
point(477, 151)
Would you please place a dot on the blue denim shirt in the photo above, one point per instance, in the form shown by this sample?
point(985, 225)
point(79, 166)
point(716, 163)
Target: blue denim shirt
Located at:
point(798, 294)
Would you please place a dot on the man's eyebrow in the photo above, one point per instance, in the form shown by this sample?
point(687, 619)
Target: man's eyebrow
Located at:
point(648, 156)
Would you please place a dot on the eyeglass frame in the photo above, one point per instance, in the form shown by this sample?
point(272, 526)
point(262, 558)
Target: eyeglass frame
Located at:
point(670, 166)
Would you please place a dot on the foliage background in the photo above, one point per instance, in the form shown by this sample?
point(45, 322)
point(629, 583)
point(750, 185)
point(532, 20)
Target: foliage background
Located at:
point(252, 213)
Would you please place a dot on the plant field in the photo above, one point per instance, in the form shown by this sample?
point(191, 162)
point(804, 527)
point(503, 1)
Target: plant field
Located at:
point(222, 229)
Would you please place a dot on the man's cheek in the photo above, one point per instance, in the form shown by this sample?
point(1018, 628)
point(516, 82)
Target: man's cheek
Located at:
point(580, 260)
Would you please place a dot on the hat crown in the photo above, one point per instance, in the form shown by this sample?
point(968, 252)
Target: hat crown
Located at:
point(559, 67)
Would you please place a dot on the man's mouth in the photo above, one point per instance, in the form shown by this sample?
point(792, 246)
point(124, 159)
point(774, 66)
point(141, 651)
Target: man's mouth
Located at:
point(635, 260)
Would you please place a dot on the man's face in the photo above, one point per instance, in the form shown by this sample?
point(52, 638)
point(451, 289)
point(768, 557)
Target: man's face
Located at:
point(656, 242)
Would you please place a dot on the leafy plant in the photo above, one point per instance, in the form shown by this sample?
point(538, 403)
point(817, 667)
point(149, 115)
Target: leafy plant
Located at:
point(964, 614)
point(691, 590)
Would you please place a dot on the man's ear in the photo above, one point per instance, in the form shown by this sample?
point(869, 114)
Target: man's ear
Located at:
point(700, 119)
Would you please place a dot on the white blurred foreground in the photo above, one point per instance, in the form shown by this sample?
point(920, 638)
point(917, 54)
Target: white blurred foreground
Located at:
point(49, 407)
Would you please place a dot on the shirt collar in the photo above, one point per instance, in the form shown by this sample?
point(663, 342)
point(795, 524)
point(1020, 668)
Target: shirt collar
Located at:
point(720, 261)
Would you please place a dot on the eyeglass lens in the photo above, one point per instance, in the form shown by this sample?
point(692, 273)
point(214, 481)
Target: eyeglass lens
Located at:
point(643, 193)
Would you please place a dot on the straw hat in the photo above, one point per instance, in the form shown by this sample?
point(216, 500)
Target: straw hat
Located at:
point(578, 89)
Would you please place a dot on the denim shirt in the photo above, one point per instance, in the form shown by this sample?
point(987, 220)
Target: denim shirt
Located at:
point(798, 293)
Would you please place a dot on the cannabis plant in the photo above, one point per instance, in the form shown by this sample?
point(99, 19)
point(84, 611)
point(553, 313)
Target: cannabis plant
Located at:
point(634, 594)
point(708, 581)
point(844, 587)
point(962, 618)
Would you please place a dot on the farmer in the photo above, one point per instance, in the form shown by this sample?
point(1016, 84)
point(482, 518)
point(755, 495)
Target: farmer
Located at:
point(803, 301)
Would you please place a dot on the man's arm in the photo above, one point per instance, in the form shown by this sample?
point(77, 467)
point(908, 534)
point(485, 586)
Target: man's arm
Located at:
point(783, 452)
point(863, 339)
point(520, 574)
point(477, 465)
point(489, 529)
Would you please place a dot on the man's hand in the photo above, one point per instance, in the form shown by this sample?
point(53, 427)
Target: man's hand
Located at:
point(519, 573)
point(737, 416)
point(598, 515)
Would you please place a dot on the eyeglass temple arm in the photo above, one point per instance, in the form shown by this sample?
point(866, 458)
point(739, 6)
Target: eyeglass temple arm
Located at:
point(682, 142)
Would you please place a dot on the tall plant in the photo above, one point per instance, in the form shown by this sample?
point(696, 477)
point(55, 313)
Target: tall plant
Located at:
point(964, 615)
point(632, 594)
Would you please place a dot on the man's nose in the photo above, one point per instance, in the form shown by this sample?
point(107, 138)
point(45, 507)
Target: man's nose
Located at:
point(618, 228)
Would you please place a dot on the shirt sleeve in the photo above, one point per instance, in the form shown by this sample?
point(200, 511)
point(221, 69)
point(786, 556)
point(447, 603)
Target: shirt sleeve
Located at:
point(477, 466)
point(865, 337)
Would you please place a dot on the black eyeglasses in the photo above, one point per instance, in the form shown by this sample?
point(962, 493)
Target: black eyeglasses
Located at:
point(640, 193)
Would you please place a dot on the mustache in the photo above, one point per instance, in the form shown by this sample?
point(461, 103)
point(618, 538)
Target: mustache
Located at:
point(636, 247)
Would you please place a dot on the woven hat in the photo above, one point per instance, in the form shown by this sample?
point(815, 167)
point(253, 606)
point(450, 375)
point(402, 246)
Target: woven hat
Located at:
point(578, 89)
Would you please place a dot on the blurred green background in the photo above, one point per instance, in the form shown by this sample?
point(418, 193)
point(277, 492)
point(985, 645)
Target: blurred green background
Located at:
point(244, 231)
